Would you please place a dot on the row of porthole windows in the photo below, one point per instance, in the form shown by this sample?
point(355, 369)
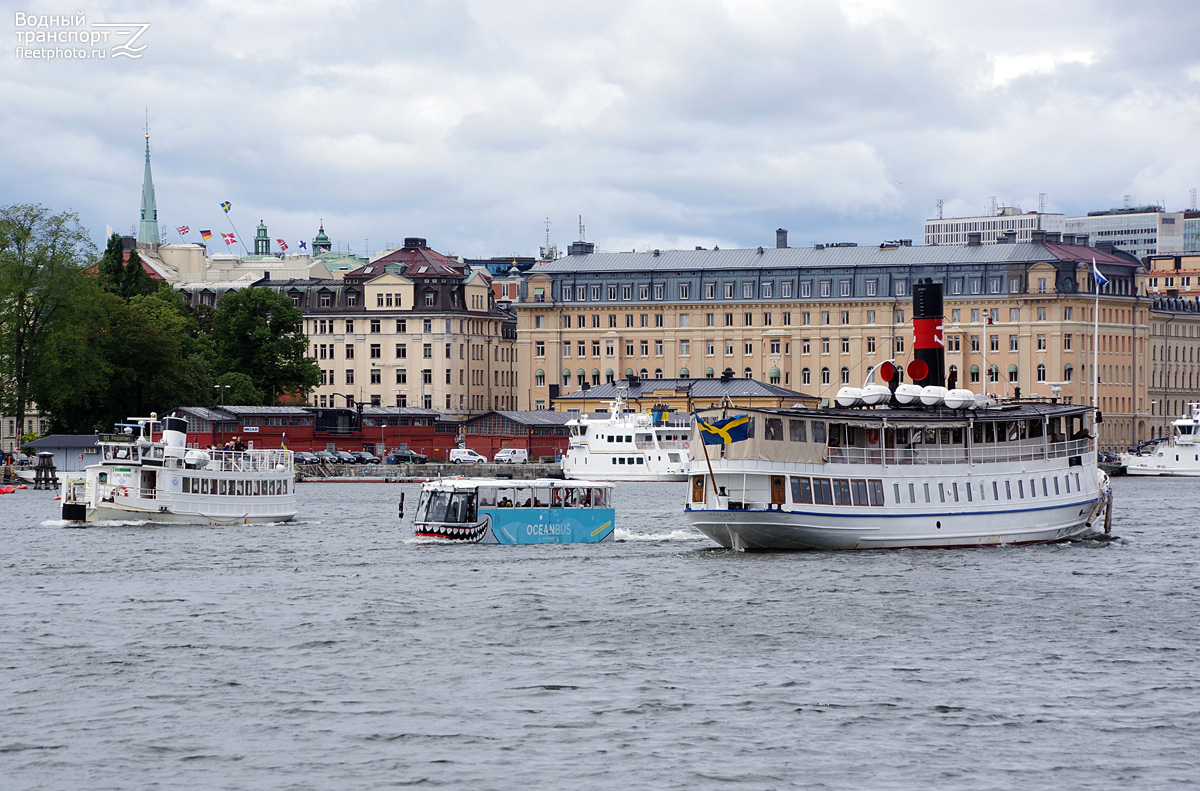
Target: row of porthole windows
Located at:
point(950, 492)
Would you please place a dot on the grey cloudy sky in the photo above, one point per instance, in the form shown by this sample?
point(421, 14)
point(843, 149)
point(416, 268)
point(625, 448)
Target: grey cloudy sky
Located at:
point(664, 123)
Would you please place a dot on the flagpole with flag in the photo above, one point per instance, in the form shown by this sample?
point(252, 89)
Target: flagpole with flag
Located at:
point(225, 207)
point(1098, 280)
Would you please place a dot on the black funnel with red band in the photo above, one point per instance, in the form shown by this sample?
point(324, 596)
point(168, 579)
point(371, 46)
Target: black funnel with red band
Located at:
point(929, 344)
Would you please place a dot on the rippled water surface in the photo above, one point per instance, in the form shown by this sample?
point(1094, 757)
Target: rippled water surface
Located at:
point(337, 653)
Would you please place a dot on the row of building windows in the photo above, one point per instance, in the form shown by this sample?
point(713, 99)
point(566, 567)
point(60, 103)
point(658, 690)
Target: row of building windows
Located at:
point(845, 288)
point(767, 319)
point(803, 289)
point(375, 326)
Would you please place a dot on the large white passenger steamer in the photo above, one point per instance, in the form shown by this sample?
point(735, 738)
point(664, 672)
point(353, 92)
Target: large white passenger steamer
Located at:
point(1177, 456)
point(904, 465)
point(627, 446)
point(147, 473)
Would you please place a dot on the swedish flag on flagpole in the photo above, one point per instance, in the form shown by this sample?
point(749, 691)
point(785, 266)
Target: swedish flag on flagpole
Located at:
point(1101, 280)
point(226, 205)
point(724, 431)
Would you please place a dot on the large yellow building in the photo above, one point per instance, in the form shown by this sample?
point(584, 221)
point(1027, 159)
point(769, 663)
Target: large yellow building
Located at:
point(1017, 316)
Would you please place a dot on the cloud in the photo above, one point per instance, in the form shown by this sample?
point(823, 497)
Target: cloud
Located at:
point(663, 123)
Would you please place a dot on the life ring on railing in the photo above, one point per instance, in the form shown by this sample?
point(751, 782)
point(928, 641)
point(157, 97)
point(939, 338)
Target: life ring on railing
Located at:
point(122, 491)
point(873, 436)
point(686, 445)
point(1091, 445)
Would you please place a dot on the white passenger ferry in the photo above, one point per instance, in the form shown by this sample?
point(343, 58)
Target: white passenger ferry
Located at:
point(899, 466)
point(1178, 456)
point(147, 473)
point(627, 446)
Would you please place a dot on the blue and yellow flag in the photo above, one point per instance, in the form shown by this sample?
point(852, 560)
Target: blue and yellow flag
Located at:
point(226, 205)
point(724, 431)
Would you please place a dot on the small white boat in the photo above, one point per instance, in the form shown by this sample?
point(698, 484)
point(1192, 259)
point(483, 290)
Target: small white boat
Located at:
point(628, 446)
point(147, 473)
point(1178, 456)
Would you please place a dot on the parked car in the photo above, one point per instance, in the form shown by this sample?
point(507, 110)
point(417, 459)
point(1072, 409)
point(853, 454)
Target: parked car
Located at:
point(326, 457)
point(304, 457)
point(511, 456)
point(344, 457)
point(364, 457)
point(406, 456)
point(460, 455)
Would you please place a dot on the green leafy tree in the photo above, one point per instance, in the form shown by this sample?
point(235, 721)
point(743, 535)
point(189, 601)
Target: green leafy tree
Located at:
point(42, 257)
point(111, 268)
point(122, 358)
point(134, 281)
point(259, 333)
point(237, 388)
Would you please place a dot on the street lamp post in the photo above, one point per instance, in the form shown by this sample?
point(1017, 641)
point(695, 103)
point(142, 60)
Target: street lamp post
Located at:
point(221, 393)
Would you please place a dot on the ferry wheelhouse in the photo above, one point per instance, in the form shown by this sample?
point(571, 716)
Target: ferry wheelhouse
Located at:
point(628, 446)
point(903, 465)
point(146, 472)
point(1178, 456)
point(493, 511)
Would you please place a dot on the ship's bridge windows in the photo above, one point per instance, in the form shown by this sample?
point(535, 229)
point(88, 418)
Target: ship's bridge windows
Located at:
point(773, 429)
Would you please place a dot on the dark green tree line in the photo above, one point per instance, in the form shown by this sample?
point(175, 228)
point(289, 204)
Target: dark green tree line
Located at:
point(93, 346)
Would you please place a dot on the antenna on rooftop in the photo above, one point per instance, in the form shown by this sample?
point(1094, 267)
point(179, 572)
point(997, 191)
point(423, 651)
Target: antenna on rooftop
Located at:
point(991, 207)
point(1192, 199)
point(1126, 199)
point(1041, 203)
point(940, 204)
point(581, 229)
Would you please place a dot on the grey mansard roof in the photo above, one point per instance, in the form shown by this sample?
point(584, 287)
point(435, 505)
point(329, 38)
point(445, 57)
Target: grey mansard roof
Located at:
point(816, 258)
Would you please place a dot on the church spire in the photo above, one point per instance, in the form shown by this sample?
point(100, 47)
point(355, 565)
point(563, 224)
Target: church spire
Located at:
point(148, 232)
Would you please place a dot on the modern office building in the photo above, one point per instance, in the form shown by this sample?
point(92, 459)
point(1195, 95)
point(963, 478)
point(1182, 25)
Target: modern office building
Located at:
point(814, 319)
point(1009, 223)
point(1140, 230)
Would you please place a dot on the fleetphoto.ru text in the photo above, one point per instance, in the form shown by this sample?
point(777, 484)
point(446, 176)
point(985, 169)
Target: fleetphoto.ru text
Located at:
point(71, 37)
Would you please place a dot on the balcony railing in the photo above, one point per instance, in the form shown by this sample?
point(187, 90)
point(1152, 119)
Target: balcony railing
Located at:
point(978, 454)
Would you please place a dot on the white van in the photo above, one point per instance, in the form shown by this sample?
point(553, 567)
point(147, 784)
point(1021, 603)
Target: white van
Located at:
point(511, 456)
point(460, 455)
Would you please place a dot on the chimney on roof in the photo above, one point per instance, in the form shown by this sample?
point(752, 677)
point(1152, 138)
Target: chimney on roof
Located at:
point(1037, 236)
point(781, 238)
point(415, 241)
point(1082, 239)
point(1053, 236)
point(973, 239)
point(581, 248)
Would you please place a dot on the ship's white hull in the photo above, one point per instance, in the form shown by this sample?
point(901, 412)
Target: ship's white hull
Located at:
point(585, 472)
point(111, 512)
point(869, 529)
point(1170, 463)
